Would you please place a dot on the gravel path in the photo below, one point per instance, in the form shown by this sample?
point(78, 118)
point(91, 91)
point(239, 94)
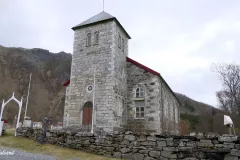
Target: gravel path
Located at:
point(22, 155)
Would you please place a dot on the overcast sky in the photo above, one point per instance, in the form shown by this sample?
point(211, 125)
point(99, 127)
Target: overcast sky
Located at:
point(178, 38)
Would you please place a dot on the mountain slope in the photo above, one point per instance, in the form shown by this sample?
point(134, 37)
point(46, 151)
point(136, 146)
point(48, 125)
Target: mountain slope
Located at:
point(48, 70)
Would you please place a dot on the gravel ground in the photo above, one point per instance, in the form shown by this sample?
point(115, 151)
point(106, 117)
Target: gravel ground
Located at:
point(22, 155)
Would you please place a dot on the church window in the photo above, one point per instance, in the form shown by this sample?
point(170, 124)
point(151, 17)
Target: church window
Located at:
point(139, 92)
point(123, 45)
point(89, 36)
point(139, 109)
point(96, 37)
point(119, 41)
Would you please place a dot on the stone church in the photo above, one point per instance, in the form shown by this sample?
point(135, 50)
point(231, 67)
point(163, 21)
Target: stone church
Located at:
point(110, 91)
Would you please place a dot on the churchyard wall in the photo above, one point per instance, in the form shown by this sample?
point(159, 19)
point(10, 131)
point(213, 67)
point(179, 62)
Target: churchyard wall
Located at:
point(142, 147)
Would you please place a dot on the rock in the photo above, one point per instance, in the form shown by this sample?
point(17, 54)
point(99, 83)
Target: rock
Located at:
point(125, 150)
point(228, 157)
point(138, 156)
point(127, 156)
point(143, 151)
point(161, 143)
point(218, 145)
point(170, 149)
point(235, 152)
point(109, 148)
point(185, 149)
point(215, 141)
point(141, 138)
point(117, 155)
point(227, 139)
point(151, 138)
point(130, 137)
point(191, 144)
point(167, 154)
point(200, 144)
point(228, 145)
point(48, 134)
point(128, 132)
point(147, 143)
point(149, 158)
point(237, 146)
point(205, 141)
point(154, 154)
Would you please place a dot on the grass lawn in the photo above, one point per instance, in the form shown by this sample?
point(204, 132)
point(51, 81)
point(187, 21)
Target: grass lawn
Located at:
point(34, 147)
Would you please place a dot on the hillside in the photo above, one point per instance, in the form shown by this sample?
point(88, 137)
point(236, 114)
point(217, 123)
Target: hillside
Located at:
point(49, 71)
point(202, 117)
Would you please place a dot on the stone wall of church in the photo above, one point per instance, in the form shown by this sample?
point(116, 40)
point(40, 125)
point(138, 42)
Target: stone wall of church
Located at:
point(138, 77)
point(170, 119)
point(161, 107)
point(120, 52)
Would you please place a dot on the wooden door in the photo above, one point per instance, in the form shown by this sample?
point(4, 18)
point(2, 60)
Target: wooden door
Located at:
point(87, 115)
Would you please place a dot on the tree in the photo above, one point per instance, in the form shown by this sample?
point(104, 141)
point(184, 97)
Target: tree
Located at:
point(229, 96)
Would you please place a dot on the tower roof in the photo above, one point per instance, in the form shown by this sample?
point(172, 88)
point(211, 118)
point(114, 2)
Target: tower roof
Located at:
point(99, 18)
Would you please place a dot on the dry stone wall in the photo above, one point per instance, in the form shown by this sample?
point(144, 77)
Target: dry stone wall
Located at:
point(142, 147)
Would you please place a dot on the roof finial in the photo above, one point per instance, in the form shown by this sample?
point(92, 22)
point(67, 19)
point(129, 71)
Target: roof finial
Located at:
point(103, 5)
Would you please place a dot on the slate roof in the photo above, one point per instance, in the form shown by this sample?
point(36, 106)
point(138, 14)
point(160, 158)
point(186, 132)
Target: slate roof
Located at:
point(99, 18)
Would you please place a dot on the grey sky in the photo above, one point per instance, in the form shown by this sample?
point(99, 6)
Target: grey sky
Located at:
point(179, 39)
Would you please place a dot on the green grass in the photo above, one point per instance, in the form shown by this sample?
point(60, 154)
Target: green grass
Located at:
point(34, 147)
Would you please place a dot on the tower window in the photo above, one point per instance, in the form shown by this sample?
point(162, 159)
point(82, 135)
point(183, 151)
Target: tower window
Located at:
point(96, 37)
point(119, 41)
point(139, 92)
point(123, 45)
point(89, 36)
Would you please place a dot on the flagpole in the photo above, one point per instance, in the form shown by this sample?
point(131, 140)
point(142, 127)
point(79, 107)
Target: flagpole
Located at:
point(93, 111)
point(28, 96)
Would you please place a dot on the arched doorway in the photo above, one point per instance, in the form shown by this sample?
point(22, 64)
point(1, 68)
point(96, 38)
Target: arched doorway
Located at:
point(87, 115)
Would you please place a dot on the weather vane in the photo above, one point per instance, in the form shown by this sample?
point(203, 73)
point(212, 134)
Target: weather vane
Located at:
point(103, 5)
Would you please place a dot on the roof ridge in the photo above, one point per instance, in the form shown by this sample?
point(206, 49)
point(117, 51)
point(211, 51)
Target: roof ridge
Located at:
point(97, 18)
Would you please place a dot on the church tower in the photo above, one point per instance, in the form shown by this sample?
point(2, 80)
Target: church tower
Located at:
point(100, 49)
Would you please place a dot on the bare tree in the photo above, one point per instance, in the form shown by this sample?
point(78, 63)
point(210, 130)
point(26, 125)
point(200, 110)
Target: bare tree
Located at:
point(229, 96)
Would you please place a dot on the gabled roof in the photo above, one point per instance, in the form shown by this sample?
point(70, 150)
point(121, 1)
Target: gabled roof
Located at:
point(146, 69)
point(99, 18)
point(153, 72)
point(143, 67)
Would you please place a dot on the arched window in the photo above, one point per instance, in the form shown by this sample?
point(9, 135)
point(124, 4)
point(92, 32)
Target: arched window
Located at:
point(139, 92)
point(123, 45)
point(89, 36)
point(96, 37)
point(119, 41)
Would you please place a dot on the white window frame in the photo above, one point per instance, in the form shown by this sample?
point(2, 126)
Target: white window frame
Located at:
point(141, 92)
point(140, 111)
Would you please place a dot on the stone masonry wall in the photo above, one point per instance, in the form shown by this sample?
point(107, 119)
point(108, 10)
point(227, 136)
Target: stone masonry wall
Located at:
point(161, 107)
point(142, 147)
point(109, 62)
point(138, 77)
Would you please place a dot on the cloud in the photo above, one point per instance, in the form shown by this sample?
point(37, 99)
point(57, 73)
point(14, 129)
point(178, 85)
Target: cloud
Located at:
point(179, 39)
